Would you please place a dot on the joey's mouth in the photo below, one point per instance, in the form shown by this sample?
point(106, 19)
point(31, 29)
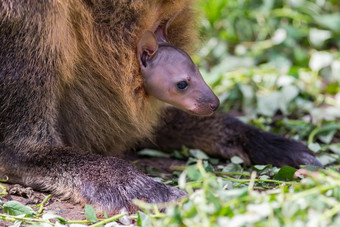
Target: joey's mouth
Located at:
point(200, 112)
point(204, 108)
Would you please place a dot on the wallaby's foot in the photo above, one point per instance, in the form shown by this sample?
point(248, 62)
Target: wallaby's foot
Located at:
point(264, 148)
point(114, 186)
point(259, 147)
point(108, 183)
point(111, 184)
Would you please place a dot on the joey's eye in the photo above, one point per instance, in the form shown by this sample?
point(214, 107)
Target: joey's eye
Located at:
point(182, 85)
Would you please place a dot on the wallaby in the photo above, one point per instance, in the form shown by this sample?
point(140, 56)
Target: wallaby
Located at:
point(78, 87)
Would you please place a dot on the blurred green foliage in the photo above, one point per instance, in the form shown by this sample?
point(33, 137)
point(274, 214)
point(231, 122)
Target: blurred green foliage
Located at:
point(282, 33)
point(277, 63)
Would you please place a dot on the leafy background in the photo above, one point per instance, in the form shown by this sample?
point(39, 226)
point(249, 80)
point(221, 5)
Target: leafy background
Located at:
point(274, 64)
point(277, 63)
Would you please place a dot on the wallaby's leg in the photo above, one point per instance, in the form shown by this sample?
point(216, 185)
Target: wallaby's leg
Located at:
point(108, 183)
point(224, 136)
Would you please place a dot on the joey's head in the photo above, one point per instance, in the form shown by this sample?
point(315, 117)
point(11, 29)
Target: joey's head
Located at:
point(171, 76)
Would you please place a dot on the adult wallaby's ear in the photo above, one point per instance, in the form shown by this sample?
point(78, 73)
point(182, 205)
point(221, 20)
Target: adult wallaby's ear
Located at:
point(162, 30)
point(147, 48)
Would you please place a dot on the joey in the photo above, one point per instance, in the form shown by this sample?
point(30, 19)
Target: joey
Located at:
point(171, 76)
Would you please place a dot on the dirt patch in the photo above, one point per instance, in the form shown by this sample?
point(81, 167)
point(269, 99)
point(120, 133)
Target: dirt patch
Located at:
point(66, 209)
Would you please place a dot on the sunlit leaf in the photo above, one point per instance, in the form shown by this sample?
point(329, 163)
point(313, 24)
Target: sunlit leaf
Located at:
point(90, 213)
point(330, 21)
point(143, 220)
point(236, 160)
point(320, 60)
point(317, 37)
point(153, 153)
point(15, 208)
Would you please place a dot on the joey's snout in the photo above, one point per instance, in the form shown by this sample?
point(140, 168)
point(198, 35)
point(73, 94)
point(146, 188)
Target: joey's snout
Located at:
point(214, 104)
point(205, 104)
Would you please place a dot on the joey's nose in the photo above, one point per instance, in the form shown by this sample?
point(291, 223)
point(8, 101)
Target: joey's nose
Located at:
point(214, 103)
point(214, 106)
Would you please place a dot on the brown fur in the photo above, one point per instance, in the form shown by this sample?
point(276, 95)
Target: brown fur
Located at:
point(105, 71)
point(95, 59)
point(71, 97)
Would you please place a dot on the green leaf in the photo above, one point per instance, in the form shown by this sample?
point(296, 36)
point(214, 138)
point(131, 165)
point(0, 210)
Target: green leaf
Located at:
point(248, 97)
point(288, 93)
point(90, 213)
point(105, 215)
point(231, 167)
point(193, 173)
point(335, 148)
point(237, 193)
point(318, 37)
point(261, 167)
point(236, 160)
point(177, 155)
point(214, 161)
point(143, 220)
point(17, 224)
point(285, 173)
point(315, 147)
point(208, 167)
point(320, 60)
point(327, 137)
point(198, 154)
point(15, 208)
point(264, 177)
point(182, 180)
point(336, 193)
point(39, 225)
point(311, 168)
point(326, 159)
point(153, 153)
point(49, 216)
point(268, 104)
point(330, 21)
point(112, 224)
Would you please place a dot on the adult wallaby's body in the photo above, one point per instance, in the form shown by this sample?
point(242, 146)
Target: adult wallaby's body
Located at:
point(72, 96)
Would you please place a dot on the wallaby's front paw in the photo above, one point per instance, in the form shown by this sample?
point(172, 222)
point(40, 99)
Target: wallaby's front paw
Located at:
point(113, 187)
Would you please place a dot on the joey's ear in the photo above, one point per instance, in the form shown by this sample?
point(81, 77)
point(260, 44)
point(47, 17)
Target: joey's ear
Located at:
point(162, 30)
point(147, 47)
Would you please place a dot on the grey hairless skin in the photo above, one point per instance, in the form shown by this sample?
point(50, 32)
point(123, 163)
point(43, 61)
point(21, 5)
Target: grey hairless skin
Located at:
point(171, 76)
